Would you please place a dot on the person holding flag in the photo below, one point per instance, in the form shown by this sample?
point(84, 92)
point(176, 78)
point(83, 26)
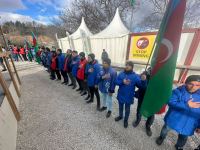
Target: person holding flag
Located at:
point(163, 62)
point(36, 48)
point(140, 96)
point(184, 112)
point(127, 80)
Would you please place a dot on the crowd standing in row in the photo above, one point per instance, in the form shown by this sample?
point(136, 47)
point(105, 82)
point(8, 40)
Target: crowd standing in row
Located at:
point(183, 115)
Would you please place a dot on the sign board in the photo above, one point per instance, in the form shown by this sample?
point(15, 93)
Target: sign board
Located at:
point(141, 47)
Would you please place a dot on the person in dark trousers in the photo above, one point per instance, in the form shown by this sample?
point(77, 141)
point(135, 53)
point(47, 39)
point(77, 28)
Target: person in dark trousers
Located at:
point(127, 80)
point(140, 96)
point(48, 61)
point(66, 66)
point(104, 55)
point(92, 72)
point(53, 65)
point(184, 112)
point(61, 60)
point(81, 74)
point(107, 79)
point(74, 66)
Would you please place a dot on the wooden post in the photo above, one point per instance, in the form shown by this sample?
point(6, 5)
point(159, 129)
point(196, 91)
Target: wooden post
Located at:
point(10, 58)
point(9, 97)
point(11, 74)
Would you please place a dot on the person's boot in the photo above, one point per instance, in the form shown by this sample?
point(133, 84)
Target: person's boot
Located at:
point(74, 87)
point(118, 118)
point(148, 131)
point(103, 108)
point(66, 83)
point(78, 89)
point(108, 114)
point(136, 123)
point(70, 84)
point(63, 82)
point(83, 93)
point(125, 124)
point(198, 148)
point(4, 70)
point(178, 148)
point(87, 98)
point(159, 140)
point(90, 101)
point(98, 108)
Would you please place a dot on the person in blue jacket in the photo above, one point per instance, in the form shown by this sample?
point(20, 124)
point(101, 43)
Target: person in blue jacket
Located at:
point(74, 67)
point(92, 72)
point(127, 80)
point(49, 57)
point(184, 112)
point(60, 61)
point(107, 79)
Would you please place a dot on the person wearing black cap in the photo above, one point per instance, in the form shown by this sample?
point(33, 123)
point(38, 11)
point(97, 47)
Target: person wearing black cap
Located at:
point(92, 72)
point(184, 112)
point(127, 80)
point(107, 85)
point(81, 74)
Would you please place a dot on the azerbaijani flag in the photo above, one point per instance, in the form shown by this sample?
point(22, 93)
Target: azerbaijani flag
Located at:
point(164, 58)
point(35, 44)
point(28, 47)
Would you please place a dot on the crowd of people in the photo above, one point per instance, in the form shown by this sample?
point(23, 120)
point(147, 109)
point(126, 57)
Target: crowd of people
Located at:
point(183, 115)
point(93, 79)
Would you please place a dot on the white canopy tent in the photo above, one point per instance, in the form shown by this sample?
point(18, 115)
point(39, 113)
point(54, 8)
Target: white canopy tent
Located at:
point(114, 38)
point(79, 40)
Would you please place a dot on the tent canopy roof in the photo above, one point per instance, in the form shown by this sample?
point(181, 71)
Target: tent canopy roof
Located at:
point(115, 29)
point(82, 28)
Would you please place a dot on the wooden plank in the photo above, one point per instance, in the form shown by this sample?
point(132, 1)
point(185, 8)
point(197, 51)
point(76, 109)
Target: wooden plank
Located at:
point(5, 43)
point(4, 54)
point(11, 74)
point(9, 97)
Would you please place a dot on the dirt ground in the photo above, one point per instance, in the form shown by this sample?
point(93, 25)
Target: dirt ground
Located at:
point(55, 117)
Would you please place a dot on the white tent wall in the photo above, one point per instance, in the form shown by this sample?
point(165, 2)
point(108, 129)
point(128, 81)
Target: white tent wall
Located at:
point(64, 44)
point(184, 46)
point(116, 48)
point(78, 44)
point(196, 62)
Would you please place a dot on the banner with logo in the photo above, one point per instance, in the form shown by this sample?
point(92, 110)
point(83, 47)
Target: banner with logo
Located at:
point(141, 47)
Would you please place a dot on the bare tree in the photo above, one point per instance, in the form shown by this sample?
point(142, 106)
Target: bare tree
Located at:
point(97, 13)
point(153, 20)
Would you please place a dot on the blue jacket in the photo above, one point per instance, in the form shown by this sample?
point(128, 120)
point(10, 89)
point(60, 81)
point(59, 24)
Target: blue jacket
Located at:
point(49, 57)
point(107, 85)
point(180, 117)
point(61, 60)
point(92, 71)
point(74, 65)
point(126, 92)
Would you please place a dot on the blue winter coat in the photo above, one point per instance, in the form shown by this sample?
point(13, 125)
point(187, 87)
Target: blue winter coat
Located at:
point(49, 57)
point(126, 92)
point(180, 117)
point(107, 85)
point(74, 65)
point(61, 60)
point(92, 71)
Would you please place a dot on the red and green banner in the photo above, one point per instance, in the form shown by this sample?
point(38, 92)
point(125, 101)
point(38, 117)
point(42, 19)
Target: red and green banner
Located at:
point(164, 58)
